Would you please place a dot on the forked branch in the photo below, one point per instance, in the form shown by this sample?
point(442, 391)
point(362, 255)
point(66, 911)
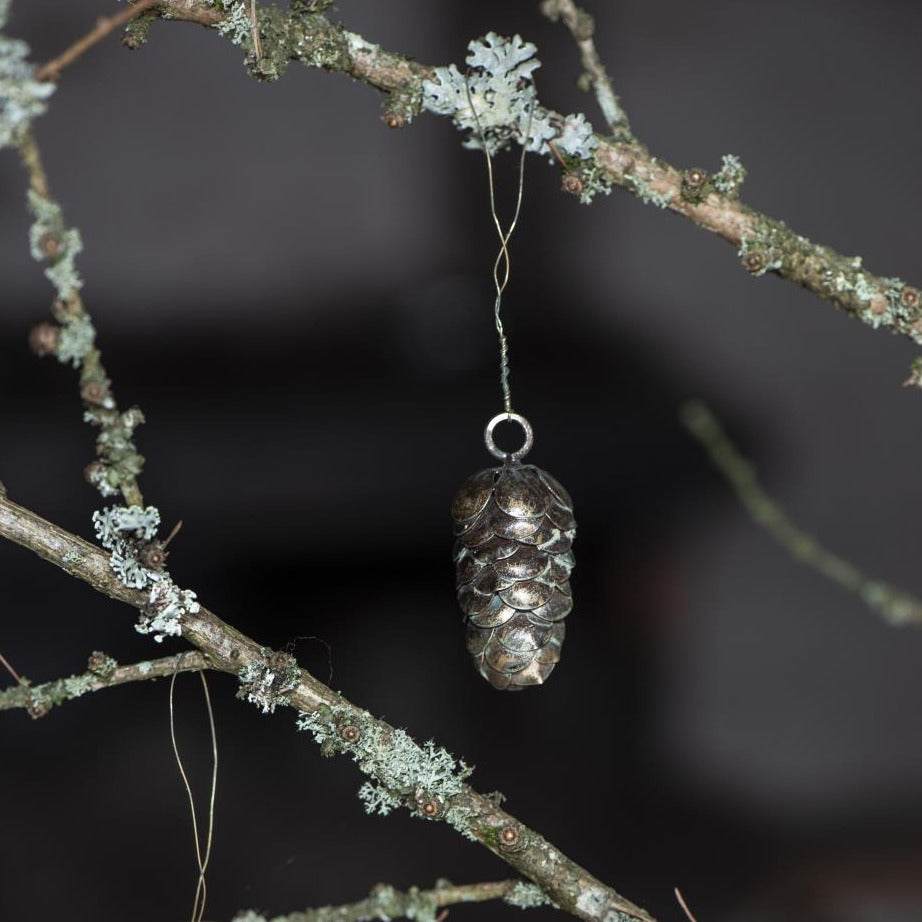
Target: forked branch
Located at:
point(102, 672)
point(398, 766)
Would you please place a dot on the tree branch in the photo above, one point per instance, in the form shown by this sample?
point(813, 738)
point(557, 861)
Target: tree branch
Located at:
point(385, 902)
point(582, 28)
point(894, 605)
point(102, 672)
point(404, 772)
point(104, 26)
point(764, 244)
point(72, 339)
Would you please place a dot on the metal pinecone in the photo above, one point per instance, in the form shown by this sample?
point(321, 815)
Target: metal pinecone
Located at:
point(515, 527)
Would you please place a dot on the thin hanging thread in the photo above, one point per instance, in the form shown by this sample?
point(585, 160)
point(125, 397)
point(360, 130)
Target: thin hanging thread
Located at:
point(502, 257)
point(201, 891)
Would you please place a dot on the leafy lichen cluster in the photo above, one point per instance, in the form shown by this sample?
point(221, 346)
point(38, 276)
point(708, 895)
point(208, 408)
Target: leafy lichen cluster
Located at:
point(401, 771)
point(126, 532)
point(166, 606)
point(236, 25)
point(265, 682)
point(497, 102)
point(123, 530)
point(119, 462)
point(22, 97)
point(527, 896)
point(729, 178)
point(51, 240)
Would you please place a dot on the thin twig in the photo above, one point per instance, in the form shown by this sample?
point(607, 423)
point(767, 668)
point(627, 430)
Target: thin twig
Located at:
point(895, 605)
point(31, 159)
point(118, 463)
point(684, 905)
point(385, 902)
point(103, 672)
point(11, 670)
point(582, 28)
point(104, 26)
point(254, 30)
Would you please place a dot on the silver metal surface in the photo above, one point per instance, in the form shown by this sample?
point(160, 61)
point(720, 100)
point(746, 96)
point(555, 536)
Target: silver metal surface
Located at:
point(515, 528)
point(495, 450)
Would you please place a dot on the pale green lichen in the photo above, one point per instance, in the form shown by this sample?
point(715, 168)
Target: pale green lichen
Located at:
point(526, 896)
point(728, 179)
point(496, 103)
point(22, 97)
point(119, 462)
point(102, 665)
point(50, 240)
point(384, 903)
point(762, 250)
point(400, 769)
point(237, 25)
point(265, 682)
point(377, 800)
point(457, 818)
point(75, 339)
point(123, 531)
point(415, 904)
point(166, 606)
point(647, 193)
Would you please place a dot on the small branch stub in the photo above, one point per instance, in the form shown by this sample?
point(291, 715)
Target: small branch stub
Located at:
point(44, 338)
point(753, 262)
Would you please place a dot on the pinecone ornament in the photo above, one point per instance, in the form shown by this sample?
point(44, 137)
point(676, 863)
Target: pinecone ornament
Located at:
point(515, 528)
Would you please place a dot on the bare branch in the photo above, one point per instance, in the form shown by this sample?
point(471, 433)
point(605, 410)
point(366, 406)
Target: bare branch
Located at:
point(384, 902)
point(582, 28)
point(6, 665)
point(104, 26)
point(391, 761)
point(894, 605)
point(102, 672)
point(684, 905)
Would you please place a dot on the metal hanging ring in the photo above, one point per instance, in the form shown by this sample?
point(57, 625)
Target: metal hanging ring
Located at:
point(495, 450)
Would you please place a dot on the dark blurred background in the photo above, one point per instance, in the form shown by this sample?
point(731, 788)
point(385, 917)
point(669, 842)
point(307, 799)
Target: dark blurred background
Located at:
point(299, 299)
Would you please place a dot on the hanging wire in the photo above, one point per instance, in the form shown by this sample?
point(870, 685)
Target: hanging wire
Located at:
point(201, 891)
point(502, 265)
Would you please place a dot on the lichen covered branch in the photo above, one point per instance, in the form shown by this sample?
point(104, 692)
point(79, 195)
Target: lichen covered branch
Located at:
point(894, 605)
point(102, 672)
point(422, 778)
point(582, 28)
point(710, 201)
point(72, 339)
point(105, 25)
point(385, 902)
